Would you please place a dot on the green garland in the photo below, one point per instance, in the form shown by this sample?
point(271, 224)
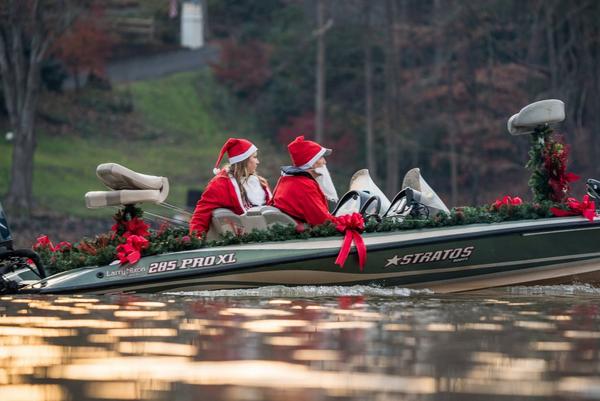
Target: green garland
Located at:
point(548, 158)
point(102, 249)
point(539, 180)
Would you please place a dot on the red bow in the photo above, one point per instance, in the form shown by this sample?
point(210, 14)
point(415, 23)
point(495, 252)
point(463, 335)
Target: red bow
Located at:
point(507, 201)
point(586, 208)
point(131, 250)
point(135, 226)
point(43, 242)
point(63, 246)
point(351, 224)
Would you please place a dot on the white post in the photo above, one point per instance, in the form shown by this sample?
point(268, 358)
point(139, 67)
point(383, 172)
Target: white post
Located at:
point(192, 32)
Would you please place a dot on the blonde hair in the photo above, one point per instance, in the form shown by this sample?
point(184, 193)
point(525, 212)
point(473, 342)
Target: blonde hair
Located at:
point(239, 171)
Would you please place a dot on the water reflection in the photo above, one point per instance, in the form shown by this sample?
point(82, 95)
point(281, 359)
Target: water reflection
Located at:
point(418, 346)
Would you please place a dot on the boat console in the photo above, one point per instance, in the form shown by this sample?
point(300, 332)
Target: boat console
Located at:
point(14, 259)
point(5, 237)
point(359, 201)
point(416, 198)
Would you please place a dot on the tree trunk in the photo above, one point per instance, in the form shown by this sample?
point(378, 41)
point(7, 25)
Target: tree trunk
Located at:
point(551, 43)
point(21, 180)
point(320, 74)
point(21, 83)
point(392, 86)
point(452, 131)
point(20, 190)
point(369, 137)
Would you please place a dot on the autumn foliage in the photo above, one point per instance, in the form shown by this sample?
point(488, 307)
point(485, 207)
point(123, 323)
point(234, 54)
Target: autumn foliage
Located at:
point(87, 45)
point(243, 66)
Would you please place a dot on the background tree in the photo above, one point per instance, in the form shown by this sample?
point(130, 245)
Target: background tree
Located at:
point(86, 45)
point(428, 83)
point(28, 28)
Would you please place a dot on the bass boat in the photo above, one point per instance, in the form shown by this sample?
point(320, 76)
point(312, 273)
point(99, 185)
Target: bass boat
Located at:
point(551, 250)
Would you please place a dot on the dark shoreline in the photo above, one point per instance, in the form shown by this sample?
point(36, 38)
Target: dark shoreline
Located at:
point(25, 230)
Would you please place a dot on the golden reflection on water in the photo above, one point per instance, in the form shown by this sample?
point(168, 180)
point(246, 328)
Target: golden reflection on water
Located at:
point(582, 334)
point(440, 327)
point(397, 327)
point(147, 314)
point(32, 392)
point(551, 346)
point(34, 332)
point(279, 302)
point(142, 332)
point(273, 325)
point(316, 355)
point(285, 341)
point(256, 373)
point(481, 326)
point(157, 348)
point(535, 325)
point(115, 391)
point(75, 300)
point(559, 317)
point(255, 312)
point(131, 347)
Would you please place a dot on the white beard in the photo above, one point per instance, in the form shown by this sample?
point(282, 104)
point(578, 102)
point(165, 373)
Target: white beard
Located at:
point(325, 182)
point(254, 191)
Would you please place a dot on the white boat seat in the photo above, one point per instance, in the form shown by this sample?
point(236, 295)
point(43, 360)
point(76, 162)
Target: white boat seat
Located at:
point(117, 177)
point(273, 216)
point(536, 114)
point(97, 199)
point(127, 187)
point(256, 218)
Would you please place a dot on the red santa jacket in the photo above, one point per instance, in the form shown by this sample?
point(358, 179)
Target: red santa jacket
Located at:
point(301, 197)
point(222, 191)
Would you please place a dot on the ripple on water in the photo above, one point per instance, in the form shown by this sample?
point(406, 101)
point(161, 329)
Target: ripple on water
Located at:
point(573, 289)
point(309, 291)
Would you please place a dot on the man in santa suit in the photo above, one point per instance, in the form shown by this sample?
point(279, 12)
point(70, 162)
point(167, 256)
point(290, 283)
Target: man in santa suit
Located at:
point(304, 188)
point(235, 187)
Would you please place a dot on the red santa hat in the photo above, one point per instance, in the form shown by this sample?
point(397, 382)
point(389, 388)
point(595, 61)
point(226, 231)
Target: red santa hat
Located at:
point(237, 150)
point(305, 153)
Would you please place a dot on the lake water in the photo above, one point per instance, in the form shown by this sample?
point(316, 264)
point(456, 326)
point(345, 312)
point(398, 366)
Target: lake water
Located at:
point(308, 343)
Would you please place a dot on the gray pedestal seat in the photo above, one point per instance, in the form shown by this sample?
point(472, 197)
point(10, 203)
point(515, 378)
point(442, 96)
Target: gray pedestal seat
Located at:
point(256, 218)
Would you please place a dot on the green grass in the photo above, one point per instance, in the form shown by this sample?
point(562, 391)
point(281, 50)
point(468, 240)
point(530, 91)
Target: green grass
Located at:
point(189, 115)
point(176, 106)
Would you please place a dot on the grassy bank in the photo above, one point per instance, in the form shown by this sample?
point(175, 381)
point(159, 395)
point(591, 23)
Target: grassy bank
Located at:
point(175, 129)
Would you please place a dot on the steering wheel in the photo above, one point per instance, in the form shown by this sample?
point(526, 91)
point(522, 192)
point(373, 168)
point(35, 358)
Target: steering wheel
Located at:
point(400, 207)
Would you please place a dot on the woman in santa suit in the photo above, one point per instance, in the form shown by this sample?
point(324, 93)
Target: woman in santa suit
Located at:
point(235, 187)
point(304, 188)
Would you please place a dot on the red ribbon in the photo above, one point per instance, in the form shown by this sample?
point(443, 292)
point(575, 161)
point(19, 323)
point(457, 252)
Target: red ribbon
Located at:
point(507, 201)
point(135, 226)
point(43, 242)
point(63, 246)
point(351, 224)
point(130, 252)
point(586, 208)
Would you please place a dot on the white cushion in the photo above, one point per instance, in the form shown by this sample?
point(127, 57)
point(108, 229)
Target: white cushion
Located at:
point(116, 177)
point(536, 114)
point(97, 199)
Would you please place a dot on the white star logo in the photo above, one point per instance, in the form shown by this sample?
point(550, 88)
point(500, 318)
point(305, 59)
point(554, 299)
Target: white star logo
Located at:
point(392, 261)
